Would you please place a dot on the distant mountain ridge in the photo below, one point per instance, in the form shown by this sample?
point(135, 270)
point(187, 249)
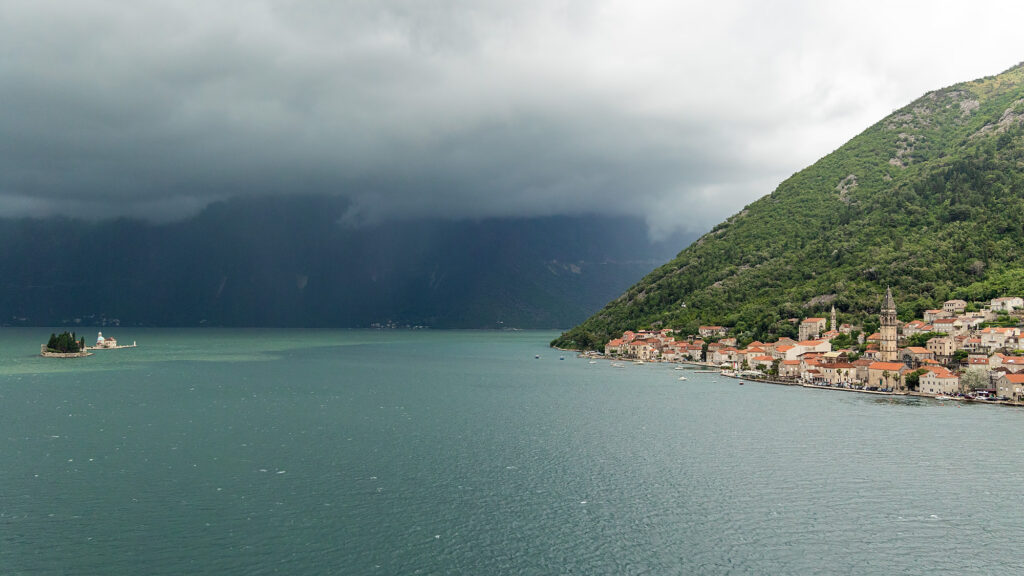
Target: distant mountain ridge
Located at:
point(930, 201)
point(289, 262)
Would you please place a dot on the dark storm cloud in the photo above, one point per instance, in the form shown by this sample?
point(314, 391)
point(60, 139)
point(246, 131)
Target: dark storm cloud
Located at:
point(672, 111)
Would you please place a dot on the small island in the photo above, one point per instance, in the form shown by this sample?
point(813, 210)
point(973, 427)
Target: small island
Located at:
point(64, 345)
point(107, 343)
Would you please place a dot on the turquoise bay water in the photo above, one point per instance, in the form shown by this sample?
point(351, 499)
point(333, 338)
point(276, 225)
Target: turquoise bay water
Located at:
point(362, 452)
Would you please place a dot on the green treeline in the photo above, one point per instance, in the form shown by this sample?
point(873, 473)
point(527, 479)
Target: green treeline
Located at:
point(929, 201)
point(65, 343)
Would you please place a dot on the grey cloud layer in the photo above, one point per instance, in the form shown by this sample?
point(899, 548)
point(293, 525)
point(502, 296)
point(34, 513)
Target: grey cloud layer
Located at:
point(674, 112)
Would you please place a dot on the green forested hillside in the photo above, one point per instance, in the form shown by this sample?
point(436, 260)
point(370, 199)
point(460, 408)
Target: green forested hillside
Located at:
point(930, 201)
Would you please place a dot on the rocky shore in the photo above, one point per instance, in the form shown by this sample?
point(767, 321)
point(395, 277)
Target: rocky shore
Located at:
point(50, 354)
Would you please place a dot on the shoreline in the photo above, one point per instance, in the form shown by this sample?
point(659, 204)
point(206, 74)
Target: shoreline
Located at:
point(876, 392)
point(724, 374)
point(111, 347)
point(881, 393)
point(47, 354)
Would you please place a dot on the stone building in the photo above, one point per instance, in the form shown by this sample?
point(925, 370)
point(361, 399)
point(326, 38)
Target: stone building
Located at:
point(938, 380)
point(811, 328)
point(887, 329)
point(954, 306)
point(887, 375)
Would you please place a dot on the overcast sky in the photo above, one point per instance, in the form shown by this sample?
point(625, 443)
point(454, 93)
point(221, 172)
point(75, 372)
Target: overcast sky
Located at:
point(678, 111)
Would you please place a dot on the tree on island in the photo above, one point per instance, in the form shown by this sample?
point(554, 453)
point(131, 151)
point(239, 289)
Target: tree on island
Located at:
point(65, 343)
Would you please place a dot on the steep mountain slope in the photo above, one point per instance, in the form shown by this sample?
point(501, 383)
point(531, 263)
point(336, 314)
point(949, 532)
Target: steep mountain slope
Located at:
point(288, 262)
point(930, 201)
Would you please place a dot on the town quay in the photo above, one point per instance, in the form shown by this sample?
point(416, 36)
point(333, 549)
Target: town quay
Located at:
point(961, 351)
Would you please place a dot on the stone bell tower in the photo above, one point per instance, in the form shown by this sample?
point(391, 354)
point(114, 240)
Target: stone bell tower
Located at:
point(887, 329)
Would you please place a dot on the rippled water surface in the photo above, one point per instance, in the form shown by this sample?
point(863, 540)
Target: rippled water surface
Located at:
point(351, 452)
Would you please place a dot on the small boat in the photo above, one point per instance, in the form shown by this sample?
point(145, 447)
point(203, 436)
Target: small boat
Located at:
point(638, 362)
point(741, 382)
point(536, 356)
point(680, 368)
point(943, 397)
point(561, 357)
point(682, 377)
point(592, 362)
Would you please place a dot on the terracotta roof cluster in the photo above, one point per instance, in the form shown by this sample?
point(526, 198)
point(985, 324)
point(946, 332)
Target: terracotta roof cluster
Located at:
point(940, 372)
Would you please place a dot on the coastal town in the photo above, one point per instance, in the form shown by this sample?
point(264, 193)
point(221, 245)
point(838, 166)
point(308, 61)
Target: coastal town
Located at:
point(958, 351)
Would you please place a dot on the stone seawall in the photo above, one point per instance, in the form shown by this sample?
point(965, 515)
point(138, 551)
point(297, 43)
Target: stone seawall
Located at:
point(48, 354)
